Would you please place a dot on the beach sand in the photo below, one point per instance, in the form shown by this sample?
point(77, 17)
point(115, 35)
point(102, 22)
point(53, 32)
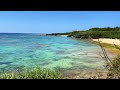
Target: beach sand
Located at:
point(109, 41)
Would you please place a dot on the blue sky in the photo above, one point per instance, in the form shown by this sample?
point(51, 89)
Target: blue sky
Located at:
point(56, 21)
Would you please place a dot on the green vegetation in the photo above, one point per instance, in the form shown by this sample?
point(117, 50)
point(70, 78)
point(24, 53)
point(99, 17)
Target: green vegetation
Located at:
point(55, 34)
point(93, 33)
point(36, 73)
point(96, 33)
point(105, 29)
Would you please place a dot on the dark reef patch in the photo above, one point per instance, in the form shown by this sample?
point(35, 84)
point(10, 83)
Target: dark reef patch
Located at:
point(5, 63)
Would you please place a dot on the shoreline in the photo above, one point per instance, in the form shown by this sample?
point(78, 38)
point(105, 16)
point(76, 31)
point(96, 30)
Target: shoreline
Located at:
point(95, 74)
point(88, 74)
point(108, 41)
point(108, 44)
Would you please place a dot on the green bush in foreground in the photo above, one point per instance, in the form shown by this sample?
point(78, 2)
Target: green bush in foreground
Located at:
point(36, 73)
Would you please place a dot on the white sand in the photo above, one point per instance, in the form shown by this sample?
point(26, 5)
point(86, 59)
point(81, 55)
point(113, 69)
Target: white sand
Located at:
point(64, 35)
point(109, 41)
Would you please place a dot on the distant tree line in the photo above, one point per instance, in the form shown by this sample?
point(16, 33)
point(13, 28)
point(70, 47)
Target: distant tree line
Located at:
point(96, 33)
point(105, 29)
point(55, 34)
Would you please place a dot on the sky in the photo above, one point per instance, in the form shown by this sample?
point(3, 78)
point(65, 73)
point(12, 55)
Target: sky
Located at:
point(55, 21)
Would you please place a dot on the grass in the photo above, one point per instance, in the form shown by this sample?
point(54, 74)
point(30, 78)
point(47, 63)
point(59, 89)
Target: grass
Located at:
point(36, 73)
point(114, 68)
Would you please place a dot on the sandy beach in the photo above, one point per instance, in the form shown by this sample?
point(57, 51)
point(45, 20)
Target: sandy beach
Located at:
point(64, 35)
point(109, 41)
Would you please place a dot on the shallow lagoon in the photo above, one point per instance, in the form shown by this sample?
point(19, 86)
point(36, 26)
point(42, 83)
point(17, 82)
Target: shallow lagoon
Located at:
point(19, 51)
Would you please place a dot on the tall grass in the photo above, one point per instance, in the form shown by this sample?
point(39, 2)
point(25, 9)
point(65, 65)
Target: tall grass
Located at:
point(36, 73)
point(113, 66)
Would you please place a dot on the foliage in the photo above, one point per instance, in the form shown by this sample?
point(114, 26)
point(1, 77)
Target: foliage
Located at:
point(105, 29)
point(36, 73)
point(57, 34)
point(96, 33)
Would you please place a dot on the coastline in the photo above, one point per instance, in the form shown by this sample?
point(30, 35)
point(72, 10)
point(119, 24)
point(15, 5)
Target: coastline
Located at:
point(96, 74)
point(108, 44)
point(109, 41)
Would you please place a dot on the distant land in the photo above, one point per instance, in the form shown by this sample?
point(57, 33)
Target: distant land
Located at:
point(95, 33)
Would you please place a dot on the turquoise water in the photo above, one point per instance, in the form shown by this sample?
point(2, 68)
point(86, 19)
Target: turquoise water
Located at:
point(18, 51)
